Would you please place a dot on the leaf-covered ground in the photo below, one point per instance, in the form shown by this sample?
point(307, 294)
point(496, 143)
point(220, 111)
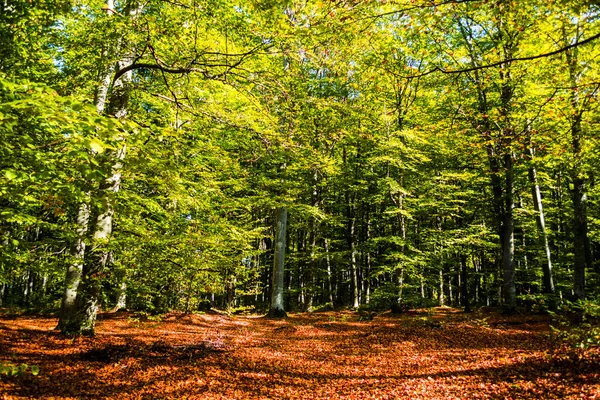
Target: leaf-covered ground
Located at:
point(441, 354)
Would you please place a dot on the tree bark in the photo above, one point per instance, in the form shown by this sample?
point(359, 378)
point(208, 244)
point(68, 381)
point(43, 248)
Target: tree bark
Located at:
point(121, 296)
point(508, 245)
point(312, 267)
point(464, 283)
point(548, 283)
point(277, 309)
point(351, 236)
point(74, 268)
point(329, 274)
point(442, 301)
point(580, 236)
point(581, 244)
point(89, 292)
point(353, 263)
point(367, 278)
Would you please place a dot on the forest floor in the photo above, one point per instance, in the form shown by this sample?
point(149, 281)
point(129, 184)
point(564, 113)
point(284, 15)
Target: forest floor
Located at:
point(435, 354)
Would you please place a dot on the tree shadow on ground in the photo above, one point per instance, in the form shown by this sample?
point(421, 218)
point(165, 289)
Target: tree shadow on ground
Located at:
point(120, 364)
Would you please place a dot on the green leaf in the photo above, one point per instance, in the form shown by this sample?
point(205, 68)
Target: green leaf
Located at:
point(35, 370)
point(10, 174)
point(95, 145)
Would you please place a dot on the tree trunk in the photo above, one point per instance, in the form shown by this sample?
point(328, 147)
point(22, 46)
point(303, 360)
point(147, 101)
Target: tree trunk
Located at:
point(329, 274)
point(442, 301)
point(548, 283)
point(580, 237)
point(498, 150)
point(122, 296)
point(74, 268)
point(507, 91)
point(581, 244)
point(508, 244)
point(83, 319)
point(89, 293)
point(450, 296)
point(353, 265)
point(277, 309)
point(464, 282)
point(400, 285)
point(312, 267)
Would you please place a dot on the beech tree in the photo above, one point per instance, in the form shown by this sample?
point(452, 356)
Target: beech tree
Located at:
point(296, 157)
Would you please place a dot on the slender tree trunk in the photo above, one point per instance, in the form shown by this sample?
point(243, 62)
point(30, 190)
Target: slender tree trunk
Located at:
point(121, 296)
point(351, 238)
point(465, 286)
point(508, 246)
point(450, 296)
point(402, 225)
point(367, 277)
point(267, 247)
point(329, 274)
point(508, 250)
point(44, 283)
point(581, 244)
point(312, 267)
point(301, 275)
point(477, 285)
point(459, 296)
point(442, 300)
point(277, 308)
point(548, 283)
point(353, 263)
point(26, 287)
point(107, 76)
point(581, 241)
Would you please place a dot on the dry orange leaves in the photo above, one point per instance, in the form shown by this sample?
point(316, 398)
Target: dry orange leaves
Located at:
point(440, 354)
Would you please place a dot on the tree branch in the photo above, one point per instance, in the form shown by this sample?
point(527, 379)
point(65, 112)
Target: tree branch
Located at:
point(419, 6)
point(509, 60)
point(184, 70)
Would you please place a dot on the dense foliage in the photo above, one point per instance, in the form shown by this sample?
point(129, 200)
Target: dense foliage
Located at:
point(425, 154)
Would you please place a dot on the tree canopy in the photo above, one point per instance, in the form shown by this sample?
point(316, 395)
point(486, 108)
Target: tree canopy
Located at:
point(423, 152)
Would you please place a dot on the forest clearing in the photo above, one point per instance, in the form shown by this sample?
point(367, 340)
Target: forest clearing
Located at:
point(427, 354)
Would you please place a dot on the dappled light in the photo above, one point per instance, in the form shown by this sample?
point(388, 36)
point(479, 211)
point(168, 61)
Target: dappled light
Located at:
point(350, 199)
point(321, 356)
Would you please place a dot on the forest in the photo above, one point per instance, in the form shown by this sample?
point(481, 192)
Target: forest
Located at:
point(337, 166)
point(165, 156)
point(182, 157)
